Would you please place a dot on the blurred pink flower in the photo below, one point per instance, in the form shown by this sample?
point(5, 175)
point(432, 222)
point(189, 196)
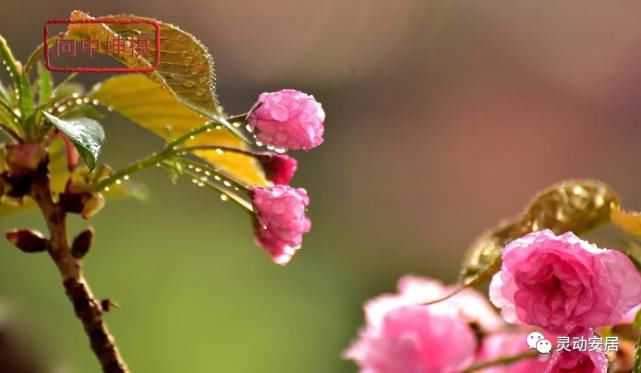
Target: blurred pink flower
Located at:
point(414, 339)
point(503, 344)
point(279, 168)
point(402, 335)
point(578, 361)
point(288, 119)
point(469, 304)
point(563, 284)
point(280, 220)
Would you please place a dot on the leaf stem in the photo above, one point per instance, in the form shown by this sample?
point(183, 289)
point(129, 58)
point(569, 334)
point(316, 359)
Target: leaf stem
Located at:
point(505, 360)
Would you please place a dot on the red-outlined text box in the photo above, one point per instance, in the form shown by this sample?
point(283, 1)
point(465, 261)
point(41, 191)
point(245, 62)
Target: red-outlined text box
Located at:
point(128, 20)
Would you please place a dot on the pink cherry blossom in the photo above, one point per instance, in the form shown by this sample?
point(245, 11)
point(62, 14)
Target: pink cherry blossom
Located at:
point(563, 284)
point(288, 119)
point(469, 304)
point(414, 339)
point(403, 335)
point(280, 220)
point(579, 361)
point(504, 344)
point(279, 168)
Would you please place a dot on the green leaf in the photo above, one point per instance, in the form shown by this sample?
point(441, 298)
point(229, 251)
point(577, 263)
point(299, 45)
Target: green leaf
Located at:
point(86, 134)
point(186, 68)
point(45, 83)
point(19, 79)
point(4, 93)
point(146, 103)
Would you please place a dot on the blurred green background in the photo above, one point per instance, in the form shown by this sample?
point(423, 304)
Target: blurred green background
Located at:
point(443, 116)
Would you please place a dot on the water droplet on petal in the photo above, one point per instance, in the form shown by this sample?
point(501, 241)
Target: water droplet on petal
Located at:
point(224, 197)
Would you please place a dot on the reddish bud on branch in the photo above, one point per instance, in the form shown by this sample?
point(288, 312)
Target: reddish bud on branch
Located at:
point(82, 243)
point(27, 240)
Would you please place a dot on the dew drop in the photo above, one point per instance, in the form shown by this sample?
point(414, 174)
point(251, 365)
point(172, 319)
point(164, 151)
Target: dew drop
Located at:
point(95, 102)
point(207, 173)
point(198, 169)
point(189, 84)
point(75, 95)
point(126, 177)
point(224, 197)
point(62, 108)
point(86, 100)
point(110, 108)
point(258, 143)
point(227, 183)
point(118, 181)
point(249, 128)
point(217, 178)
point(220, 151)
point(107, 189)
point(78, 101)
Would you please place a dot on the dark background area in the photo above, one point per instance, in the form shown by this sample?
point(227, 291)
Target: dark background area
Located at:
point(442, 118)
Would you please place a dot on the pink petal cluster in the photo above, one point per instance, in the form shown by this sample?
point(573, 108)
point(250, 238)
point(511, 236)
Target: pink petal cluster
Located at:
point(503, 344)
point(564, 284)
point(402, 335)
point(578, 361)
point(279, 168)
point(280, 220)
point(288, 119)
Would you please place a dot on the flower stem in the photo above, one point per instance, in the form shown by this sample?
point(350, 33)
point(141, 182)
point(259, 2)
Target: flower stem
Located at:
point(134, 167)
point(505, 360)
point(246, 205)
point(85, 304)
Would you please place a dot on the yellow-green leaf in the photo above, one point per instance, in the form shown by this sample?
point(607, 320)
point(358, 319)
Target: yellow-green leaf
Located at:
point(145, 102)
point(627, 221)
point(186, 68)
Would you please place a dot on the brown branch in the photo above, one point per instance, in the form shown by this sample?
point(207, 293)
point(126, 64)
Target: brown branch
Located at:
point(85, 304)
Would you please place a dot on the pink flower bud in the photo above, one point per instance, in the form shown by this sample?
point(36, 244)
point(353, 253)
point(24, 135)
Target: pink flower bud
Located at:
point(280, 220)
point(288, 119)
point(279, 168)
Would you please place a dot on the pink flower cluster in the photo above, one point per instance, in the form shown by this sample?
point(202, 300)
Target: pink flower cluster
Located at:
point(286, 119)
point(404, 335)
point(558, 285)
